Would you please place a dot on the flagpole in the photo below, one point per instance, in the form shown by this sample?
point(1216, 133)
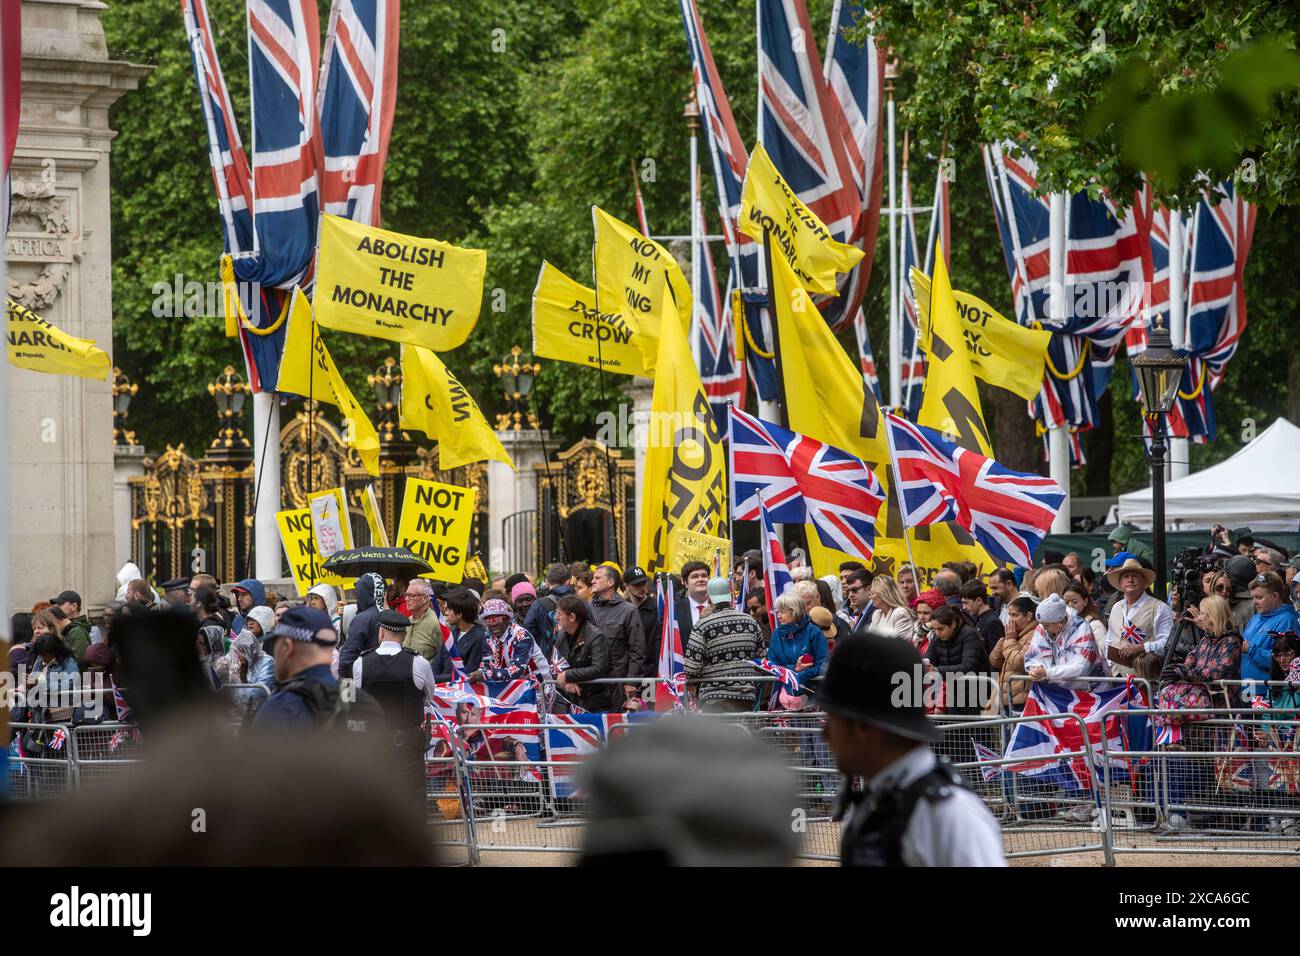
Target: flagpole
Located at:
point(692, 114)
point(1178, 447)
point(898, 491)
point(771, 408)
point(311, 429)
point(895, 333)
point(600, 374)
point(1058, 447)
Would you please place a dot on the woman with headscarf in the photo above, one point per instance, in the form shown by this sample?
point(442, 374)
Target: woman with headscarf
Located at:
point(925, 604)
point(1063, 650)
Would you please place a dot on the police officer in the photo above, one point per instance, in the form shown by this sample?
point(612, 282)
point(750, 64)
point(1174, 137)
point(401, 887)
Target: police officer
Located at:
point(401, 681)
point(910, 808)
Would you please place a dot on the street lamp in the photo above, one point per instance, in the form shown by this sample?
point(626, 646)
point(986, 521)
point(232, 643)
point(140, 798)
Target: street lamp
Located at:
point(229, 391)
point(1159, 372)
point(387, 385)
point(516, 382)
point(123, 391)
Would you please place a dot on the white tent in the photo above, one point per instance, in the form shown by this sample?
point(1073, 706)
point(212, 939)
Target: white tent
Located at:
point(1259, 486)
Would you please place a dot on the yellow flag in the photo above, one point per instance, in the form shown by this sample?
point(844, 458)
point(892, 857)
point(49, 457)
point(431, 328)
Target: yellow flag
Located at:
point(1002, 352)
point(768, 203)
point(567, 327)
point(635, 276)
point(952, 400)
point(436, 403)
point(828, 400)
point(37, 345)
point(307, 369)
point(402, 288)
point(685, 475)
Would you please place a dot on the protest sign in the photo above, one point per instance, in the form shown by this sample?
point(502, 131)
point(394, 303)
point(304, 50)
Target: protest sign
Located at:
point(474, 568)
point(305, 562)
point(329, 521)
point(687, 545)
point(370, 507)
point(567, 327)
point(402, 288)
point(435, 525)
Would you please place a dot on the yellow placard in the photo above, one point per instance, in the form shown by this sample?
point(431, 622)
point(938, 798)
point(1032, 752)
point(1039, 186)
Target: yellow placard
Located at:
point(686, 545)
point(305, 562)
point(474, 568)
point(402, 288)
point(639, 279)
point(435, 524)
point(768, 204)
point(567, 327)
point(375, 521)
point(37, 345)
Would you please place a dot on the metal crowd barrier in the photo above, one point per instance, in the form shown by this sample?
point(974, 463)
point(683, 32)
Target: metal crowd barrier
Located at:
point(53, 774)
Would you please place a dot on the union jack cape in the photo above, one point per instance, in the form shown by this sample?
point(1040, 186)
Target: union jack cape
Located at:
point(1040, 742)
point(1103, 283)
point(1008, 512)
point(800, 479)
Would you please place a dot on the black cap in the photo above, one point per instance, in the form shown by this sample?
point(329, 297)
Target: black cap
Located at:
point(175, 584)
point(393, 620)
point(72, 596)
point(877, 680)
point(635, 575)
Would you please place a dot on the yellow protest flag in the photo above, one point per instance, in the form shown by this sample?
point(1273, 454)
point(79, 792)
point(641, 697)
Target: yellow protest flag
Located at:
point(36, 344)
point(307, 369)
point(436, 403)
point(375, 520)
point(567, 327)
point(768, 204)
point(635, 276)
point(1002, 352)
point(951, 403)
point(402, 288)
point(828, 399)
point(685, 475)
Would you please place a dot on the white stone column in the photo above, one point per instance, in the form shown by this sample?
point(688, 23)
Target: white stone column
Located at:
point(58, 250)
point(128, 463)
point(641, 391)
point(511, 491)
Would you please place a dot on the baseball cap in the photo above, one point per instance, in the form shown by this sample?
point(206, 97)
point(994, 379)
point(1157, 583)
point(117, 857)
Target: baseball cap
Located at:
point(635, 575)
point(72, 596)
point(719, 591)
point(1119, 557)
point(305, 624)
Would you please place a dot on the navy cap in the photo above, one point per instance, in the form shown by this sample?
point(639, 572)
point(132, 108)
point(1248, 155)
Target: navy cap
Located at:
point(391, 620)
point(306, 624)
point(635, 575)
point(65, 596)
point(1119, 557)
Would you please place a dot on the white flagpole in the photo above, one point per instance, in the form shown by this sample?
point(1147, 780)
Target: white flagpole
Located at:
point(1058, 447)
point(902, 508)
point(1178, 447)
point(692, 116)
point(895, 333)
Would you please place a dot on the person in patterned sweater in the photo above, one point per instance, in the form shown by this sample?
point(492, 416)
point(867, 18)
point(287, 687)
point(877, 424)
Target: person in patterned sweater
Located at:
point(722, 644)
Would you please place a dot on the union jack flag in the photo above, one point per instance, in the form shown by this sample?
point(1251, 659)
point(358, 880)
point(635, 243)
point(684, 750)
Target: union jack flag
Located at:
point(1216, 244)
point(912, 378)
point(804, 129)
point(1235, 773)
point(358, 93)
point(855, 78)
point(776, 574)
point(1008, 512)
point(802, 480)
point(1040, 741)
point(722, 376)
point(866, 358)
point(1103, 283)
point(270, 214)
point(1284, 771)
point(571, 739)
point(457, 663)
point(730, 158)
point(123, 709)
point(58, 738)
point(501, 702)
point(670, 689)
point(788, 678)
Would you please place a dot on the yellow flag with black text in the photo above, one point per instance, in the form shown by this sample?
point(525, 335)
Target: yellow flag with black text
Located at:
point(436, 403)
point(36, 344)
point(307, 369)
point(768, 204)
point(828, 399)
point(567, 327)
point(951, 402)
point(685, 484)
point(635, 277)
point(371, 281)
point(1002, 352)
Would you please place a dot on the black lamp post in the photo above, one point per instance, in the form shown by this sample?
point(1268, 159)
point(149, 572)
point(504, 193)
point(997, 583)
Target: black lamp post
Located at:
point(1159, 373)
point(123, 391)
point(516, 383)
point(230, 392)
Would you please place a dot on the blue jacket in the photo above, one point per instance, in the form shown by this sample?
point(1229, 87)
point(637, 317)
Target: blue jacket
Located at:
point(540, 621)
point(363, 632)
point(258, 591)
point(287, 711)
point(791, 641)
point(1257, 650)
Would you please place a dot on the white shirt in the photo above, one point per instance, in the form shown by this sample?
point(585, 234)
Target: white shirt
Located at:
point(421, 671)
point(697, 607)
point(957, 831)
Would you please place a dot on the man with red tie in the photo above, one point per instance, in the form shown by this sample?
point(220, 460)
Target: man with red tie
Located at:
point(689, 607)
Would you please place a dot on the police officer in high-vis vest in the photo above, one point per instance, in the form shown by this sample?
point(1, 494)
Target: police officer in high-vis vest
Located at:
point(401, 681)
point(900, 805)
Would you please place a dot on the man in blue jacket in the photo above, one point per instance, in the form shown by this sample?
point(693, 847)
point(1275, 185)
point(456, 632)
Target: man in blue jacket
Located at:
point(540, 621)
point(248, 594)
point(1273, 615)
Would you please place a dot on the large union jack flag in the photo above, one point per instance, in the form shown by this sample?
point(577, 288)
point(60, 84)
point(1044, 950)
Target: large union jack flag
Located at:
point(358, 92)
point(1216, 243)
point(1056, 745)
point(500, 702)
point(1008, 512)
point(1103, 283)
point(800, 479)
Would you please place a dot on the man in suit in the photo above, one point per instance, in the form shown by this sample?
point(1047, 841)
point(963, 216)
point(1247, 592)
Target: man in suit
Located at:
point(689, 606)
